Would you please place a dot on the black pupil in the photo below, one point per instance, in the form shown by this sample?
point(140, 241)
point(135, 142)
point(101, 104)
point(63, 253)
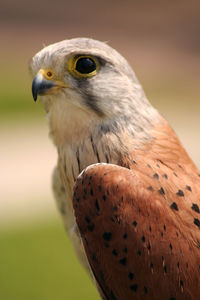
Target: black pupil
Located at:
point(85, 65)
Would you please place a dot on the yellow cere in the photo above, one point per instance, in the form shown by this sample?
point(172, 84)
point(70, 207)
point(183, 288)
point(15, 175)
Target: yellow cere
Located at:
point(48, 74)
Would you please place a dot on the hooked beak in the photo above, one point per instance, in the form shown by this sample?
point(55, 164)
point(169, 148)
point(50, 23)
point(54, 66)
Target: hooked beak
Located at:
point(43, 86)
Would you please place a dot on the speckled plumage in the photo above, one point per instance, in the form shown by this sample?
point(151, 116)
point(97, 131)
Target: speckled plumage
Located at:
point(138, 214)
point(141, 226)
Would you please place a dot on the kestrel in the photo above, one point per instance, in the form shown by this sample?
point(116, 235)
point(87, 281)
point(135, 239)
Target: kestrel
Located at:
point(127, 190)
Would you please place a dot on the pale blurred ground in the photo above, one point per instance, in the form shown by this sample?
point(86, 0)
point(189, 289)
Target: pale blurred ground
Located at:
point(161, 40)
point(27, 161)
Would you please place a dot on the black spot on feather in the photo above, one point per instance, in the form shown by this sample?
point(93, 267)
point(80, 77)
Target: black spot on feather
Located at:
point(174, 206)
point(131, 276)
point(197, 222)
point(97, 205)
point(161, 191)
point(123, 261)
point(195, 207)
point(125, 236)
point(156, 176)
point(180, 193)
point(188, 188)
point(134, 287)
point(134, 223)
point(91, 227)
point(107, 236)
point(114, 252)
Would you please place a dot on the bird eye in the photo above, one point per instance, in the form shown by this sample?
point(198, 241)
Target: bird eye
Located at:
point(83, 66)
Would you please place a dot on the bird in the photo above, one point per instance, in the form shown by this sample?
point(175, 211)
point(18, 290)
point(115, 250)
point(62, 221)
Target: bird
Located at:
point(128, 192)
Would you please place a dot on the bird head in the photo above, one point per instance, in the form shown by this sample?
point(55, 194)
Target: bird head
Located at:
point(82, 81)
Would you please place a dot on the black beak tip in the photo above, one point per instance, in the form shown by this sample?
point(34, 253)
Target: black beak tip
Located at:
point(34, 96)
point(34, 90)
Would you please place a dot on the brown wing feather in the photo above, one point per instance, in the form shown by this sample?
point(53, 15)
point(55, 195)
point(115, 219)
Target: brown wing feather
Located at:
point(141, 240)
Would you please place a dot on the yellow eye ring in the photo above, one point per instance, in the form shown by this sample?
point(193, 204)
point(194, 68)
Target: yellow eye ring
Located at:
point(83, 66)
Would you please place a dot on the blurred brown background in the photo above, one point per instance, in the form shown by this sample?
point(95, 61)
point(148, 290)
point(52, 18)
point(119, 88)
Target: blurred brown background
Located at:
point(160, 39)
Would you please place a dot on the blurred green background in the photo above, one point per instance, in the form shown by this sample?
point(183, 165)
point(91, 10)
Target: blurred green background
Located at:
point(161, 40)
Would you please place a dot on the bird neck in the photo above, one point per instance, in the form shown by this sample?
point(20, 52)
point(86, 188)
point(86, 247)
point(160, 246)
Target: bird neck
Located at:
point(71, 124)
point(108, 141)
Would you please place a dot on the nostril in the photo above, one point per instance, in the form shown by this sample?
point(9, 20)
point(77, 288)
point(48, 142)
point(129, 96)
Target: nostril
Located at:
point(49, 74)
